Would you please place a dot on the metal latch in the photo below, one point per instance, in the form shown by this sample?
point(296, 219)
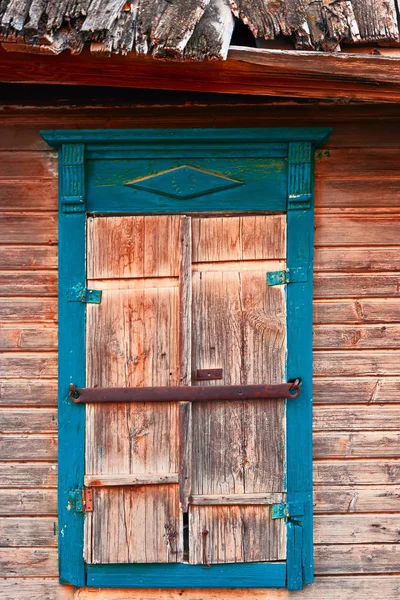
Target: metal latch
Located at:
point(288, 510)
point(81, 500)
point(80, 293)
point(296, 275)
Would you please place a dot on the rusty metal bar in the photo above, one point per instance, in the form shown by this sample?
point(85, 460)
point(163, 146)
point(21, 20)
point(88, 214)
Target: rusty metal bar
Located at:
point(186, 393)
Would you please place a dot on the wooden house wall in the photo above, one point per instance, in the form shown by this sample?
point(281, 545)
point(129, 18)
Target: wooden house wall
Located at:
point(356, 340)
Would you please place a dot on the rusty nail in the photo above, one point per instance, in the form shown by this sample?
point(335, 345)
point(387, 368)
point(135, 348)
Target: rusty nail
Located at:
point(73, 392)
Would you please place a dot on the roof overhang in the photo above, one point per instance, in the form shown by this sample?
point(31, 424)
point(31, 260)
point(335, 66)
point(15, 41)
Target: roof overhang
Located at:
point(297, 74)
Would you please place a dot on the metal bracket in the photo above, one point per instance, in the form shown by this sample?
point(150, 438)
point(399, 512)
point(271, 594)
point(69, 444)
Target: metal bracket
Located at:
point(296, 275)
point(80, 293)
point(287, 511)
point(80, 500)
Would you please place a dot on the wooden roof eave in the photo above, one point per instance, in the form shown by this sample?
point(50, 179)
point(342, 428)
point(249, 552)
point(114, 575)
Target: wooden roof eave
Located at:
point(249, 71)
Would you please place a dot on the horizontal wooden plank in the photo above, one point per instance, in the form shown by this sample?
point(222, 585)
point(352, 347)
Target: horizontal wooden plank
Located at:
point(357, 192)
point(24, 310)
point(28, 283)
point(29, 475)
point(324, 588)
point(339, 162)
point(28, 420)
point(361, 499)
point(359, 336)
point(28, 447)
point(27, 531)
point(28, 228)
point(32, 589)
point(357, 362)
point(353, 259)
point(28, 257)
point(28, 366)
point(356, 230)
point(359, 558)
point(28, 502)
point(353, 390)
point(131, 479)
point(349, 418)
point(357, 472)
point(357, 311)
point(236, 499)
point(28, 165)
point(356, 529)
point(28, 337)
point(367, 444)
point(25, 393)
point(26, 562)
point(26, 194)
point(356, 285)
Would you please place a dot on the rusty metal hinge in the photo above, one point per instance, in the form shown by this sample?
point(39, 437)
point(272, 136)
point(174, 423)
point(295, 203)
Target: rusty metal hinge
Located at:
point(296, 275)
point(81, 500)
point(80, 293)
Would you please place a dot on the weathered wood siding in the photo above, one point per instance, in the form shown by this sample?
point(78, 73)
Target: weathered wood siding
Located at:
point(356, 337)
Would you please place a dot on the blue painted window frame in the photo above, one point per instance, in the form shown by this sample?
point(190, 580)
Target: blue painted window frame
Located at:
point(296, 145)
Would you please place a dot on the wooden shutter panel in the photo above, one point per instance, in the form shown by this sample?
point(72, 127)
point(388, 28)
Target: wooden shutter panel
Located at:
point(171, 306)
point(238, 449)
point(133, 340)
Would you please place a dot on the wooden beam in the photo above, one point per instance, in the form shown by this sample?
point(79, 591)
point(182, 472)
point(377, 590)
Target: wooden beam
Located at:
point(247, 71)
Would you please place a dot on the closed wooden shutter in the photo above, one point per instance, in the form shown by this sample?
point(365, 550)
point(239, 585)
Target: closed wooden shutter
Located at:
point(180, 294)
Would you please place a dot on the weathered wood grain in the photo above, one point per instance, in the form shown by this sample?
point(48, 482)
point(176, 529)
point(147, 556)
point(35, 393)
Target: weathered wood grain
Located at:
point(28, 337)
point(28, 393)
point(28, 447)
point(353, 259)
point(356, 529)
point(19, 194)
point(374, 192)
point(356, 285)
point(131, 479)
point(28, 562)
point(362, 587)
point(354, 390)
point(28, 257)
point(28, 502)
point(30, 420)
point(356, 230)
point(28, 228)
point(148, 247)
point(236, 499)
point(32, 365)
point(29, 531)
point(362, 362)
point(258, 237)
point(348, 162)
point(30, 475)
point(139, 524)
point(344, 418)
point(358, 558)
point(28, 283)
point(361, 499)
point(22, 310)
point(248, 533)
point(32, 589)
point(353, 337)
point(365, 444)
point(133, 339)
point(357, 472)
point(379, 310)
point(28, 165)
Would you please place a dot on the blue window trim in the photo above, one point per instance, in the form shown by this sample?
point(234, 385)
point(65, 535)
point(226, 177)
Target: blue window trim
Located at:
point(75, 149)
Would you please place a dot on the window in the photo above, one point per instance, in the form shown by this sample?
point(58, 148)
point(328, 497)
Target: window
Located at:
point(185, 317)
